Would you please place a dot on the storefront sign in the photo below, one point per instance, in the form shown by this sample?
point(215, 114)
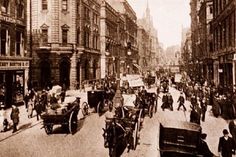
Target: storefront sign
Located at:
point(18, 64)
point(10, 20)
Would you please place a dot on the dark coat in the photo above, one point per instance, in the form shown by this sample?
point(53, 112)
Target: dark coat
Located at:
point(204, 150)
point(226, 147)
point(15, 115)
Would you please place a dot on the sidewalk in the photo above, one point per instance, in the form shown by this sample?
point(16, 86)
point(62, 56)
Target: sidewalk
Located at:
point(24, 122)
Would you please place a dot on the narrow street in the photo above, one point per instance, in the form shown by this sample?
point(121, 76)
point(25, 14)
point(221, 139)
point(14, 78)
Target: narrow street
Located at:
point(88, 140)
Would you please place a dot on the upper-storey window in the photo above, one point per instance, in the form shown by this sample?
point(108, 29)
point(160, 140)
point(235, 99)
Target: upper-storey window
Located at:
point(5, 6)
point(64, 5)
point(3, 38)
point(44, 29)
point(44, 4)
point(18, 43)
point(20, 9)
point(65, 30)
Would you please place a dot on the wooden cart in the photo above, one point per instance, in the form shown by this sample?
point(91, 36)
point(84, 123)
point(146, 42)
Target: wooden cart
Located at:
point(64, 116)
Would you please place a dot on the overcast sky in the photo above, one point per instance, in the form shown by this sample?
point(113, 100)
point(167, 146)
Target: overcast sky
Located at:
point(168, 17)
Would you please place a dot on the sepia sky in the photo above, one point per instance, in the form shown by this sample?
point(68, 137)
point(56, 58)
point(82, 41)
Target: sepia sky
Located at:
point(168, 17)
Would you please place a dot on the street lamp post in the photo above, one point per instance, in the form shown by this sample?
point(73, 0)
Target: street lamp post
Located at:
point(118, 99)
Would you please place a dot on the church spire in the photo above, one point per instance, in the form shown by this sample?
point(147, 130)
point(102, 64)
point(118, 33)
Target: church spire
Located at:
point(147, 11)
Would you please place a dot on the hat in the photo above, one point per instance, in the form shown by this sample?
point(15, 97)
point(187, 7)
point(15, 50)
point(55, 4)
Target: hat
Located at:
point(225, 131)
point(203, 136)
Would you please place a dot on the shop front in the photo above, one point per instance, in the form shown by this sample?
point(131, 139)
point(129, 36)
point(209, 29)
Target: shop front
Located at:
point(13, 82)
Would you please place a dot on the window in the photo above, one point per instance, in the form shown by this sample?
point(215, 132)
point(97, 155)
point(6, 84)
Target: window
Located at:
point(86, 37)
point(20, 10)
point(45, 36)
point(5, 6)
point(64, 36)
point(44, 4)
point(78, 36)
point(18, 43)
point(3, 37)
point(64, 5)
point(211, 9)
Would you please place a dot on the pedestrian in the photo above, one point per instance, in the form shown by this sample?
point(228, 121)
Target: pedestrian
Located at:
point(38, 108)
point(5, 125)
point(181, 101)
point(164, 101)
point(30, 108)
point(226, 146)
point(203, 105)
point(26, 99)
point(170, 101)
point(15, 117)
point(203, 148)
point(63, 95)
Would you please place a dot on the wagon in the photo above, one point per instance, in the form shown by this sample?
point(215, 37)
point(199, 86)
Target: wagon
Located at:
point(99, 100)
point(122, 132)
point(65, 115)
point(179, 139)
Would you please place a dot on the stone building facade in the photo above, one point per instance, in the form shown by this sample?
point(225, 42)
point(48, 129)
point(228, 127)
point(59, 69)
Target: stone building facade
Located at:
point(65, 41)
point(112, 38)
point(14, 60)
point(224, 43)
point(128, 36)
point(152, 45)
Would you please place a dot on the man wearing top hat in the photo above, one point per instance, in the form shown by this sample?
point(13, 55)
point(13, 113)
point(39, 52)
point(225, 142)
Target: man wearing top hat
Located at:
point(226, 145)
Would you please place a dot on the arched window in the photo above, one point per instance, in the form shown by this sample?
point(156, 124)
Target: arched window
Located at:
point(5, 6)
point(20, 9)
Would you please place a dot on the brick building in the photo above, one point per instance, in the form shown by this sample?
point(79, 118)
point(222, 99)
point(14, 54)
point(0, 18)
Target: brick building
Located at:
point(65, 42)
point(14, 63)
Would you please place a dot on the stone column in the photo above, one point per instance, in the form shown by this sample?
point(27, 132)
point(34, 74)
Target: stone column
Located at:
point(73, 71)
point(216, 72)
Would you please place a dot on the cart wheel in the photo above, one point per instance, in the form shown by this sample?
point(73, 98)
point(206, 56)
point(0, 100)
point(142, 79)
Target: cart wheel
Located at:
point(135, 136)
point(85, 108)
point(48, 128)
point(99, 108)
point(73, 122)
point(139, 119)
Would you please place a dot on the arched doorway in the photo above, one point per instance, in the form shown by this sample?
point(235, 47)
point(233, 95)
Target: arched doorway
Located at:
point(65, 73)
point(45, 74)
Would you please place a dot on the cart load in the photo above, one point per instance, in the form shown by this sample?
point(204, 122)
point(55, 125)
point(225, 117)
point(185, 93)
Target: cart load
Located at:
point(61, 114)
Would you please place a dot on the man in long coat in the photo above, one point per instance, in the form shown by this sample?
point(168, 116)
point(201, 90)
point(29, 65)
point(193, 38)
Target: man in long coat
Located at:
point(15, 117)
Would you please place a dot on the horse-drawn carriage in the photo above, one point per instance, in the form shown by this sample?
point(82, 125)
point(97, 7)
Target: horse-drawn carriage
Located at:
point(122, 132)
point(179, 139)
point(99, 100)
point(61, 114)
